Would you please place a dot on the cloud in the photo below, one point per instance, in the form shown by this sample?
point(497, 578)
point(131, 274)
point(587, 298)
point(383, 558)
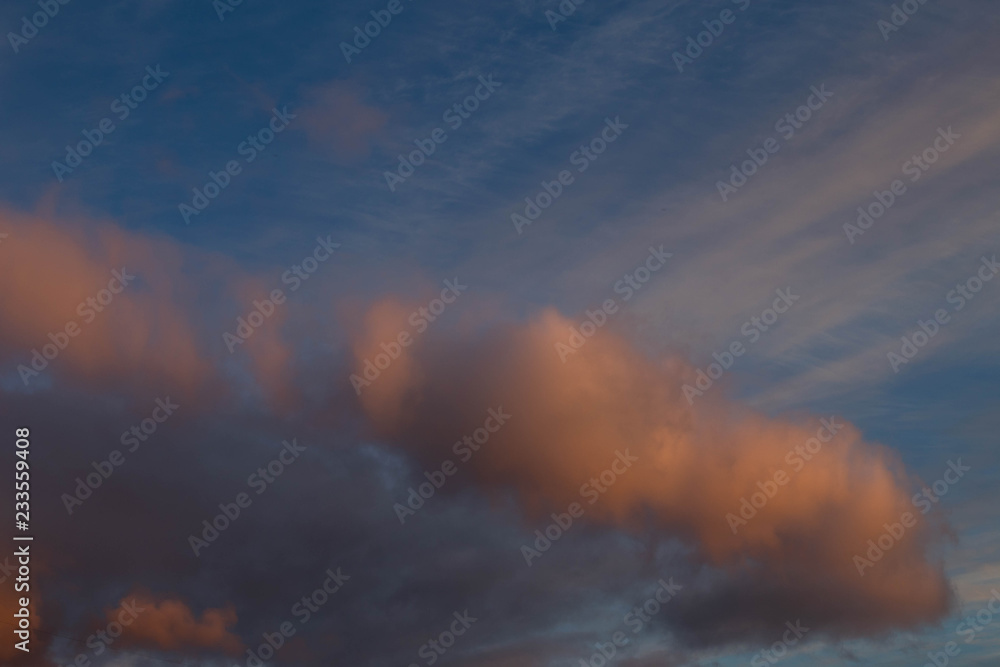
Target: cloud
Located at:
point(170, 625)
point(336, 115)
point(143, 328)
point(125, 309)
point(695, 465)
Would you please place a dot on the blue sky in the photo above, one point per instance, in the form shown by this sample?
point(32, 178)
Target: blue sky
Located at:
point(681, 129)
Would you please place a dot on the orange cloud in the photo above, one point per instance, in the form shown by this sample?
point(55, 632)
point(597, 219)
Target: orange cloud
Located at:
point(51, 271)
point(109, 307)
point(335, 114)
point(169, 625)
point(695, 465)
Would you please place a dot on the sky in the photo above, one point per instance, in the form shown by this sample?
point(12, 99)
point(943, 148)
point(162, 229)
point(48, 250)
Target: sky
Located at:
point(547, 334)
